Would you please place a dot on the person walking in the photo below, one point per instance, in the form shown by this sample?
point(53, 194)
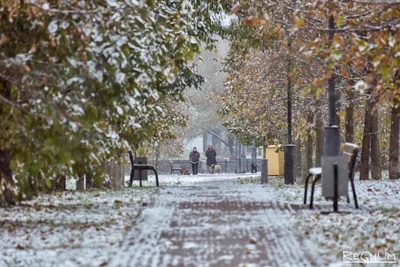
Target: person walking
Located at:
point(211, 156)
point(194, 158)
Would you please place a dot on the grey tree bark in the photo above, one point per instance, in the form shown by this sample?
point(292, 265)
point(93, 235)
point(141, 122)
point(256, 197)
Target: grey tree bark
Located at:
point(116, 172)
point(349, 124)
point(6, 180)
point(366, 142)
point(319, 135)
point(376, 166)
point(394, 165)
point(310, 145)
point(298, 161)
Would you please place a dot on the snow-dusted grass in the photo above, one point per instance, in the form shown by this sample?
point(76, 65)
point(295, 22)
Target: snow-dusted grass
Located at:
point(375, 227)
point(365, 231)
point(69, 229)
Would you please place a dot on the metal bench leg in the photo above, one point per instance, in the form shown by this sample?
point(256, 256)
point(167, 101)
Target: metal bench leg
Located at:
point(317, 178)
point(354, 193)
point(132, 168)
point(335, 188)
point(156, 178)
point(306, 188)
point(132, 177)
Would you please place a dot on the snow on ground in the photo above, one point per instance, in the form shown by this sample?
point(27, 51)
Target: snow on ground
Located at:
point(374, 228)
point(219, 223)
point(78, 228)
point(189, 180)
point(88, 228)
point(69, 229)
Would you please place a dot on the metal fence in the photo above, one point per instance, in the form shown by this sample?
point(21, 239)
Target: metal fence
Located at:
point(227, 166)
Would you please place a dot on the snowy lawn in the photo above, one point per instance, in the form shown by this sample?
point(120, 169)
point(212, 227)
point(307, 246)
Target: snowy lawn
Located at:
point(70, 228)
point(374, 228)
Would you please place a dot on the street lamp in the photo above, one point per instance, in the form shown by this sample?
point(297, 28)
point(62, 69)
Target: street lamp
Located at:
point(332, 133)
point(289, 148)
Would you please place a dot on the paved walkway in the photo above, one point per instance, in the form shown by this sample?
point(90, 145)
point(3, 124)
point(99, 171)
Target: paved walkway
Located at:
point(215, 224)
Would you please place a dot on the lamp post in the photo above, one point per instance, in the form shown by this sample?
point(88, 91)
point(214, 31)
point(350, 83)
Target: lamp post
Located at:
point(289, 148)
point(264, 163)
point(332, 133)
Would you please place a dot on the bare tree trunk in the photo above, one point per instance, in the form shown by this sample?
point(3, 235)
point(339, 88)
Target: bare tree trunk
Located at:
point(350, 118)
point(157, 155)
point(304, 164)
point(6, 181)
point(394, 165)
point(376, 167)
point(319, 136)
point(298, 160)
point(7, 196)
point(59, 185)
point(338, 109)
point(310, 145)
point(310, 150)
point(366, 142)
point(90, 184)
point(115, 172)
point(80, 183)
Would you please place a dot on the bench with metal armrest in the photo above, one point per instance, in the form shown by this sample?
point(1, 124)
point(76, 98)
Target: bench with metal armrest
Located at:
point(351, 152)
point(175, 168)
point(140, 167)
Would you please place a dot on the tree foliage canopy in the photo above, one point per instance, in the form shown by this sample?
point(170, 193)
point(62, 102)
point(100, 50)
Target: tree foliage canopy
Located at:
point(362, 50)
point(82, 81)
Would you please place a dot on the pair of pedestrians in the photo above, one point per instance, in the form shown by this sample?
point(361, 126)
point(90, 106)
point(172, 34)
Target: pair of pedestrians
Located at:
point(194, 158)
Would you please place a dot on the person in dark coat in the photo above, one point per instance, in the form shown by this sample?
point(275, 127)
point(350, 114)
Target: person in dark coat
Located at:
point(194, 158)
point(211, 156)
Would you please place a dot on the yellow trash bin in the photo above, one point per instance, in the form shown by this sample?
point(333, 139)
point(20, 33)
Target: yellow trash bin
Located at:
point(275, 161)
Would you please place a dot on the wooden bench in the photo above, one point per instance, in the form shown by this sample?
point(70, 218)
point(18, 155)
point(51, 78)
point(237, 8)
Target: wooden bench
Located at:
point(174, 168)
point(351, 151)
point(140, 167)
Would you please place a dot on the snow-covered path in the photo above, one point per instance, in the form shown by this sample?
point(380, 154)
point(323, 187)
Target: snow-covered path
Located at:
point(215, 223)
point(204, 220)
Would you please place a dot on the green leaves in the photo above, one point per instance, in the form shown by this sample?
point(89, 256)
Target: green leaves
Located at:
point(340, 20)
point(89, 85)
point(299, 22)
